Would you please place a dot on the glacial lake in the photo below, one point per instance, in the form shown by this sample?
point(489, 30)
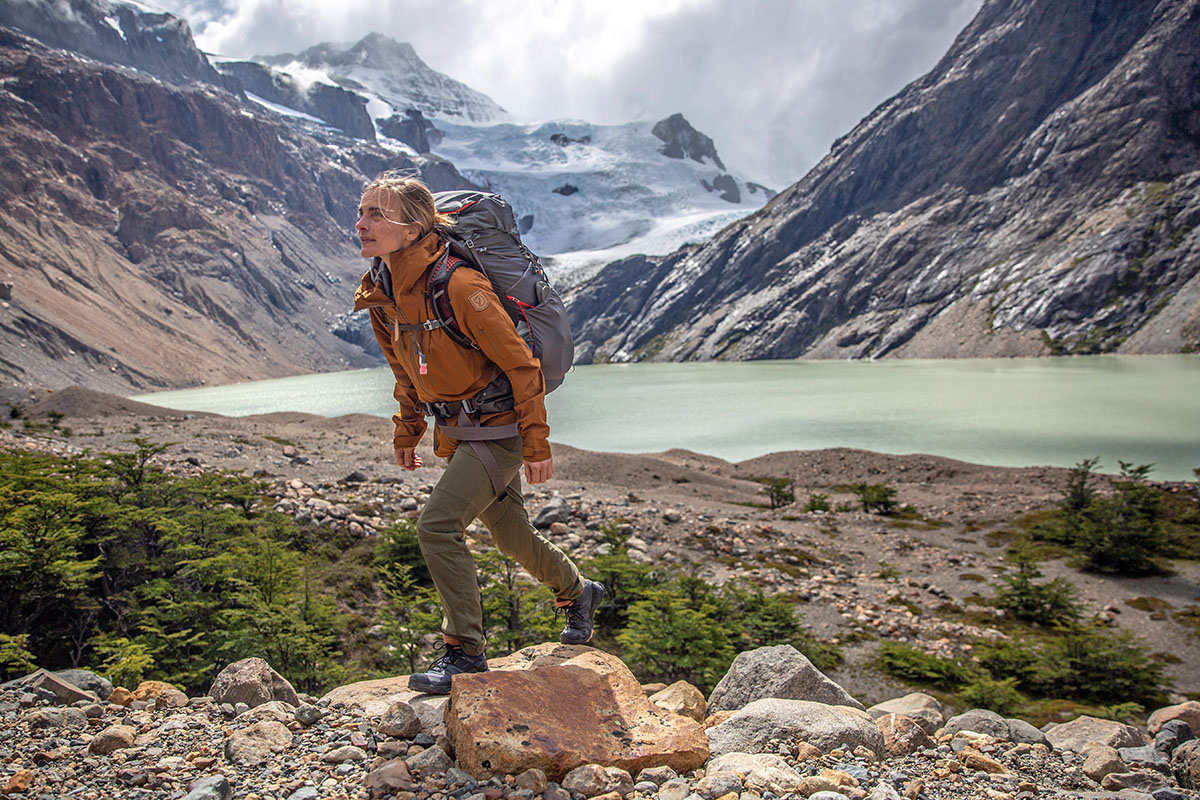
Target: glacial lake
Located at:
point(1005, 412)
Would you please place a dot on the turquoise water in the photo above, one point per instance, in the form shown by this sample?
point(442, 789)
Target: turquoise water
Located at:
point(1008, 412)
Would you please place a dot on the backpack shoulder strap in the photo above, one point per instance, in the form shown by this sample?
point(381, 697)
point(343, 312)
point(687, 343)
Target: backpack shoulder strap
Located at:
point(439, 298)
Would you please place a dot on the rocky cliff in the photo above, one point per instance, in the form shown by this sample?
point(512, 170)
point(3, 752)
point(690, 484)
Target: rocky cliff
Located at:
point(342, 109)
point(1035, 193)
point(156, 231)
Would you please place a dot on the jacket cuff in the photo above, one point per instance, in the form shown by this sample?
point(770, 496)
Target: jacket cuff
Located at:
point(534, 451)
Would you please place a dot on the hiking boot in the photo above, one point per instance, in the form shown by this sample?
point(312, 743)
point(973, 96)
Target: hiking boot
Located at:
point(436, 680)
point(580, 614)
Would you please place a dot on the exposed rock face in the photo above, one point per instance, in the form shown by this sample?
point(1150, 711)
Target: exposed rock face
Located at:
point(1037, 192)
point(684, 141)
point(341, 108)
point(117, 33)
point(414, 130)
point(158, 233)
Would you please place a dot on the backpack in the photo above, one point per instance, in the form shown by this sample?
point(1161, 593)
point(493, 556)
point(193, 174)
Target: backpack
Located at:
point(485, 237)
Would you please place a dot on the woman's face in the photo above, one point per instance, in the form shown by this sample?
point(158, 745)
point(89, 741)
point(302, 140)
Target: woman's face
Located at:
point(380, 229)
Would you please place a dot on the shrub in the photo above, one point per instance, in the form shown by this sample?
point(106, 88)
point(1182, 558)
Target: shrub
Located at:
point(1047, 603)
point(670, 639)
point(1123, 534)
point(912, 664)
point(817, 502)
point(1078, 493)
point(876, 497)
point(779, 491)
point(1000, 695)
point(15, 658)
point(1092, 664)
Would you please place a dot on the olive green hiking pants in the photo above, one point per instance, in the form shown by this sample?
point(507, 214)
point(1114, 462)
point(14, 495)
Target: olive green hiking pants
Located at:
point(464, 494)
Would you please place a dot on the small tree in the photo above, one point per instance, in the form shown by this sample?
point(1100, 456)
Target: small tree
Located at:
point(876, 497)
point(1124, 533)
point(779, 491)
point(1047, 603)
point(1079, 493)
point(818, 502)
point(668, 639)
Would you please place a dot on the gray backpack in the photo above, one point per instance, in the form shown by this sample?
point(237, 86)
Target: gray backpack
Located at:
point(485, 237)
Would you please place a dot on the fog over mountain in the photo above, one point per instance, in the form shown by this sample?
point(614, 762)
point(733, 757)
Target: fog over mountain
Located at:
point(773, 82)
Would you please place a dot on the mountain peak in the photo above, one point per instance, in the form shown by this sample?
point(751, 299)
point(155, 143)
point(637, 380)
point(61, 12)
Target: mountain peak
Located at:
point(391, 71)
point(684, 141)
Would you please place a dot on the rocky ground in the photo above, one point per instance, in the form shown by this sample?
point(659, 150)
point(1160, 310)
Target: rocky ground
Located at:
point(858, 573)
point(863, 577)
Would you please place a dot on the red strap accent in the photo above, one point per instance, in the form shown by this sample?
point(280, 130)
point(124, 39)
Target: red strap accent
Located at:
point(464, 208)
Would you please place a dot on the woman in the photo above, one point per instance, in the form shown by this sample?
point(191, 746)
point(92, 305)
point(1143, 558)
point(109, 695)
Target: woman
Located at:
point(399, 227)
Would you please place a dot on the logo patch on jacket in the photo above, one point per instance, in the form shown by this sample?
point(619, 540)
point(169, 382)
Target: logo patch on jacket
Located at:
point(478, 300)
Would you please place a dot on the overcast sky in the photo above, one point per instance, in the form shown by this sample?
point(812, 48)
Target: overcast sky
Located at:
point(773, 82)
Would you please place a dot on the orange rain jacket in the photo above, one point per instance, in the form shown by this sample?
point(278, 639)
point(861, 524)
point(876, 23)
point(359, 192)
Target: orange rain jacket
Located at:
point(453, 372)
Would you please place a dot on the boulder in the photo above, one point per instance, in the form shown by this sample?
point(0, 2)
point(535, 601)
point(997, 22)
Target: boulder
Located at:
point(256, 744)
point(120, 696)
point(344, 754)
point(389, 778)
point(276, 710)
point(1101, 760)
point(1078, 732)
point(825, 727)
point(657, 775)
point(55, 718)
point(377, 696)
point(400, 721)
point(759, 771)
point(979, 720)
point(1022, 732)
point(1146, 756)
point(775, 672)
point(1141, 781)
point(51, 685)
point(86, 680)
point(253, 682)
point(902, 735)
point(592, 780)
point(556, 510)
point(430, 761)
point(210, 787)
point(112, 738)
point(557, 707)
point(973, 759)
point(1185, 764)
point(917, 706)
point(1172, 734)
point(1189, 712)
point(152, 690)
point(681, 698)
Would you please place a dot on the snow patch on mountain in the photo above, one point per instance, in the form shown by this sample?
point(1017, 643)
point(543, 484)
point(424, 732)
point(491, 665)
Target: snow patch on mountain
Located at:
point(588, 194)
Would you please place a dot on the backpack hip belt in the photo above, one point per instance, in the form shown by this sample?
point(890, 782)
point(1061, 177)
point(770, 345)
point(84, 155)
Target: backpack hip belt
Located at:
point(469, 430)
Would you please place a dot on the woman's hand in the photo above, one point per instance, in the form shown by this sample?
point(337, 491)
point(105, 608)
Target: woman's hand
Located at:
point(539, 471)
point(407, 458)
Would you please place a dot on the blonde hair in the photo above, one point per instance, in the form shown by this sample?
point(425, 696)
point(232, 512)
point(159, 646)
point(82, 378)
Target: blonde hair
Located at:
point(414, 199)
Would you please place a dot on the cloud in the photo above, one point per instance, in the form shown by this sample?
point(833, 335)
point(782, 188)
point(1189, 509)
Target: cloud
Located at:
point(773, 82)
